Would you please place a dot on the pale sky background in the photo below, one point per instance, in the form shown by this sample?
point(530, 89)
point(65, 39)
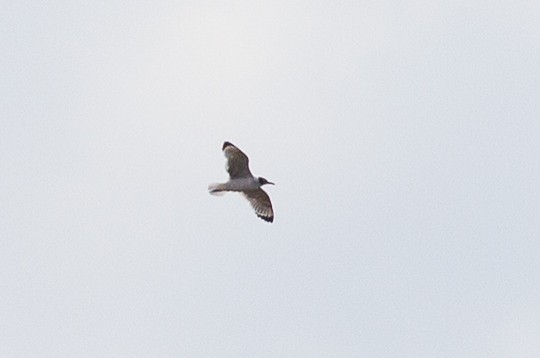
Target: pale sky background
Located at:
point(404, 139)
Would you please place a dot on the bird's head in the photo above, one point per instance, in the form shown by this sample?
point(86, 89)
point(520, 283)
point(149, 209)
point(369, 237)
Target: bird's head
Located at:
point(263, 181)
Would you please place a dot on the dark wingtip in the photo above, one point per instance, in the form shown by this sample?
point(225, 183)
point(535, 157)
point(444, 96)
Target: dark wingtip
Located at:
point(227, 144)
point(267, 219)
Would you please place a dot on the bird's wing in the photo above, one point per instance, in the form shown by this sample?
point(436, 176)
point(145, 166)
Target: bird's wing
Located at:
point(237, 162)
point(260, 201)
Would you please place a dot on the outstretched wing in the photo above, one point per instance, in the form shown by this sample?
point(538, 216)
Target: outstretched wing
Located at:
point(260, 202)
point(237, 162)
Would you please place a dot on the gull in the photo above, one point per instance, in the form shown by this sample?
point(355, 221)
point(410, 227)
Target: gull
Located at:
point(241, 180)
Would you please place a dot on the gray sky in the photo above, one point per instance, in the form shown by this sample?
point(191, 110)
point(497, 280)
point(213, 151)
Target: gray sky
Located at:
point(403, 138)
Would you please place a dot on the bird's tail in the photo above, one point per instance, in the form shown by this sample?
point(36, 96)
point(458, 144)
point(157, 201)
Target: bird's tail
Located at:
point(216, 189)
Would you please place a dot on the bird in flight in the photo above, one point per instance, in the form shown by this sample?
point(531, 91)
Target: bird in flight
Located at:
point(241, 180)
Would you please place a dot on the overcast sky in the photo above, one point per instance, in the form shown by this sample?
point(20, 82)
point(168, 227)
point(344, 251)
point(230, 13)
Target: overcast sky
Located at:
point(403, 138)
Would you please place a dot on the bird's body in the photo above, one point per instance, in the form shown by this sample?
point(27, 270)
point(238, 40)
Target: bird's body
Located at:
point(241, 180)
point(238, 184)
